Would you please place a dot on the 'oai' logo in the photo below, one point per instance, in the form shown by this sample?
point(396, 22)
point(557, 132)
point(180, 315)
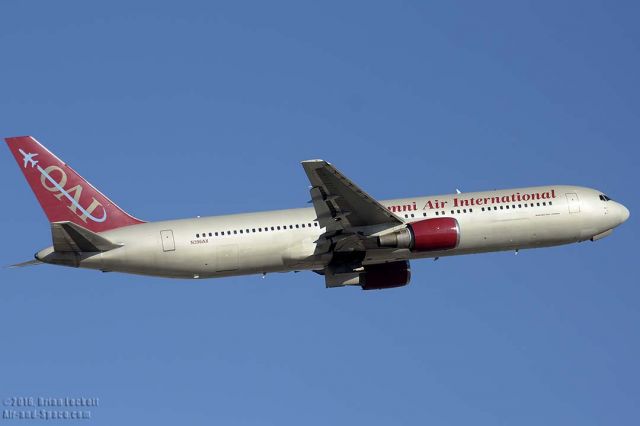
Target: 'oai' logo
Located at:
point(50, 184)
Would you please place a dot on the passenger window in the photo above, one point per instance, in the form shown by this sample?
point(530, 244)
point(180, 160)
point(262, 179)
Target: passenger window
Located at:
point(483, 209)
point(197, 235)
point(538, 204)
point(303, 225)
point(550, 203)
point(507, 207)
point(436, 214)
point(501, 208)
point(210, 234)
point(278, 228)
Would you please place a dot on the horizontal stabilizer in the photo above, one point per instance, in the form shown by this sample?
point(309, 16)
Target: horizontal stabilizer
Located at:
point(69, 237)
point(27, 263)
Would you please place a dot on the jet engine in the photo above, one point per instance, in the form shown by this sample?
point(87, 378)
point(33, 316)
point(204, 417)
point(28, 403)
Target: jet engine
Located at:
point(373, 277)
point(385, 275)
point(425, 235)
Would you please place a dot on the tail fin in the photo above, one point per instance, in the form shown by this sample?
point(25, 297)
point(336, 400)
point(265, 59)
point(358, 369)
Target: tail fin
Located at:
point(63, 194)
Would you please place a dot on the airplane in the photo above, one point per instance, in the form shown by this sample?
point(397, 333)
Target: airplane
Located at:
point(347, 236)
point(28, 158)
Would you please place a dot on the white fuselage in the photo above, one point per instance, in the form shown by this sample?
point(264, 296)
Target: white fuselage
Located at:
point(288, 240)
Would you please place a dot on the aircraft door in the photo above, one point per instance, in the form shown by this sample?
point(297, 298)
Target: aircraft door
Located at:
point(168, 243)
point(574, 202)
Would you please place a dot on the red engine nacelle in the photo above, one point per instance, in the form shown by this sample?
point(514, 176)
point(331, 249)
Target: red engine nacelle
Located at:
point(425, 235)
point(435, 234)
point(385, 275)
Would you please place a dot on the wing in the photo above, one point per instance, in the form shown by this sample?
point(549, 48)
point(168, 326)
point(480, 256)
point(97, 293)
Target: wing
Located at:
point(352, 219)
point(340, 204)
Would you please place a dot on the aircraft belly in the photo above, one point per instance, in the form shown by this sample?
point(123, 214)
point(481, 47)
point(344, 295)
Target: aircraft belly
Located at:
point(516, 232)
point(209, 258)
point(261, 255)
point(556, 229)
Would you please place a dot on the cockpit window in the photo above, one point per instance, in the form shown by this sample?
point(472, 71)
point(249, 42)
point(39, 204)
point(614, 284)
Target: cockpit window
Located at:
point(604, 197)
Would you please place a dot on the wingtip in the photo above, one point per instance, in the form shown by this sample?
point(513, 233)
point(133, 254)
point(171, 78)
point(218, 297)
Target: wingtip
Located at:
point(316, 162)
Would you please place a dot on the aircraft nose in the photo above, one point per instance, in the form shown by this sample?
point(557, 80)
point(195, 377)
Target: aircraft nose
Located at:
point(624, 213)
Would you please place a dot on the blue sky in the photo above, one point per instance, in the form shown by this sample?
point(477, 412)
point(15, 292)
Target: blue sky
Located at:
point(204, 108)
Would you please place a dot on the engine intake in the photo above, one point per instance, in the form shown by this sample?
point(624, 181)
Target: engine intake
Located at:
point(425, 235)
point(372, 277)
point(385, 275)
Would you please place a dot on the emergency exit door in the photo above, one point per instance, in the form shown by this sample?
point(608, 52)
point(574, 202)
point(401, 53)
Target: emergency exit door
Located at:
point(168, 244)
